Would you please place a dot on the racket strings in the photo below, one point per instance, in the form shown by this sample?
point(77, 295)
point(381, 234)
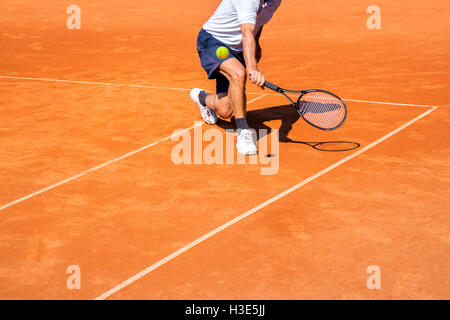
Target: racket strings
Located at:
point(321, 109)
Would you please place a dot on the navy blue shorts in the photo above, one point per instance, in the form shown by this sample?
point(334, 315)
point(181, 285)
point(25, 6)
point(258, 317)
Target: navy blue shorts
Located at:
point(207, 46)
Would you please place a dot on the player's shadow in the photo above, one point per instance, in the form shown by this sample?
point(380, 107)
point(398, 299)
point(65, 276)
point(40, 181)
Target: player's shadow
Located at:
point(256, 118)
point(289, 116)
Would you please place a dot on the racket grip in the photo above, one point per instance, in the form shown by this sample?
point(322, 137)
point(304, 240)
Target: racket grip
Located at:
point(272, 86)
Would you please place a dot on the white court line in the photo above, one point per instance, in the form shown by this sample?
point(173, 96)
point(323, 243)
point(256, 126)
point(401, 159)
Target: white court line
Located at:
point(93, 83)
point(255, 209)
point(391, 103)
point(185, 89)
point(129, 154)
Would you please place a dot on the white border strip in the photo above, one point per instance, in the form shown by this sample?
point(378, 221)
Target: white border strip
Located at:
point(255, 209)
point(129, 154)
point(92, 83)
point(391, 103)
point(185, 89)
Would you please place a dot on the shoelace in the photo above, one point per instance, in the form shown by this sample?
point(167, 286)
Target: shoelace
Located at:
point(247, 136)
point(208, 112)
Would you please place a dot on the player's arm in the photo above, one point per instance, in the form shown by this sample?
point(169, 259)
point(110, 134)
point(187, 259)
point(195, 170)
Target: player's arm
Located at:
point(249, 45)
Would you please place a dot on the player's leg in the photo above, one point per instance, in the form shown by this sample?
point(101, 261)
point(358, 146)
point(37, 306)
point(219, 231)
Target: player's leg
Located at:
point(220, 101)
point(235, 73)
point(230, 93)
point(223, 102)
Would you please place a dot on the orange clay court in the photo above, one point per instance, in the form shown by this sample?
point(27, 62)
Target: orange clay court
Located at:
point(87, 121)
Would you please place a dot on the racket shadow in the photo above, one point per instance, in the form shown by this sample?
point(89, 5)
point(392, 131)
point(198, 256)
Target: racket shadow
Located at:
point(319, 107)
point(288, 116)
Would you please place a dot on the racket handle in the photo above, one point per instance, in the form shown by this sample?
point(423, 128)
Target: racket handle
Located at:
point(272, 86)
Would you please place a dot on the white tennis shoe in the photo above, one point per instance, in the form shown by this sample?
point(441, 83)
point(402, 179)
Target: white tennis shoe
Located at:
point(246, 142)
point(208, 115)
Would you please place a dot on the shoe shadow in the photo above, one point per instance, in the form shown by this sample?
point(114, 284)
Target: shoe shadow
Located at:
point(288, 116)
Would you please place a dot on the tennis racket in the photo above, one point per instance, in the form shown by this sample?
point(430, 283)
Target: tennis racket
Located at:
point(319, 108)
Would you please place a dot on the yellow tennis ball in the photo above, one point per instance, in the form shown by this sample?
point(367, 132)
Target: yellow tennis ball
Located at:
point(222, 53)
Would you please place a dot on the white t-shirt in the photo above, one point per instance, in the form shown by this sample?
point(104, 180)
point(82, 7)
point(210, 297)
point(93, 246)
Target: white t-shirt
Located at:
point(225, 23)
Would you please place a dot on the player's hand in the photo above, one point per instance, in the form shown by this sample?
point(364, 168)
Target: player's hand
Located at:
point(257, 78)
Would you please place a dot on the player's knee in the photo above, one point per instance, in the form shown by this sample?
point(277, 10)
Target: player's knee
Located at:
point(223, 108)
point(239, 76)
point(225, 113)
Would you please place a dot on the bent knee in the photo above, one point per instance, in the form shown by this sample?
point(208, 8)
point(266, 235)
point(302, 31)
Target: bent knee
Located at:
point(239, 76)
point(223, 108)
point(225, 113)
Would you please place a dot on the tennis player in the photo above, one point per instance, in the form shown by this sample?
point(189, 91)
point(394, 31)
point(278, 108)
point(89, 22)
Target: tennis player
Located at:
point(236, 25)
